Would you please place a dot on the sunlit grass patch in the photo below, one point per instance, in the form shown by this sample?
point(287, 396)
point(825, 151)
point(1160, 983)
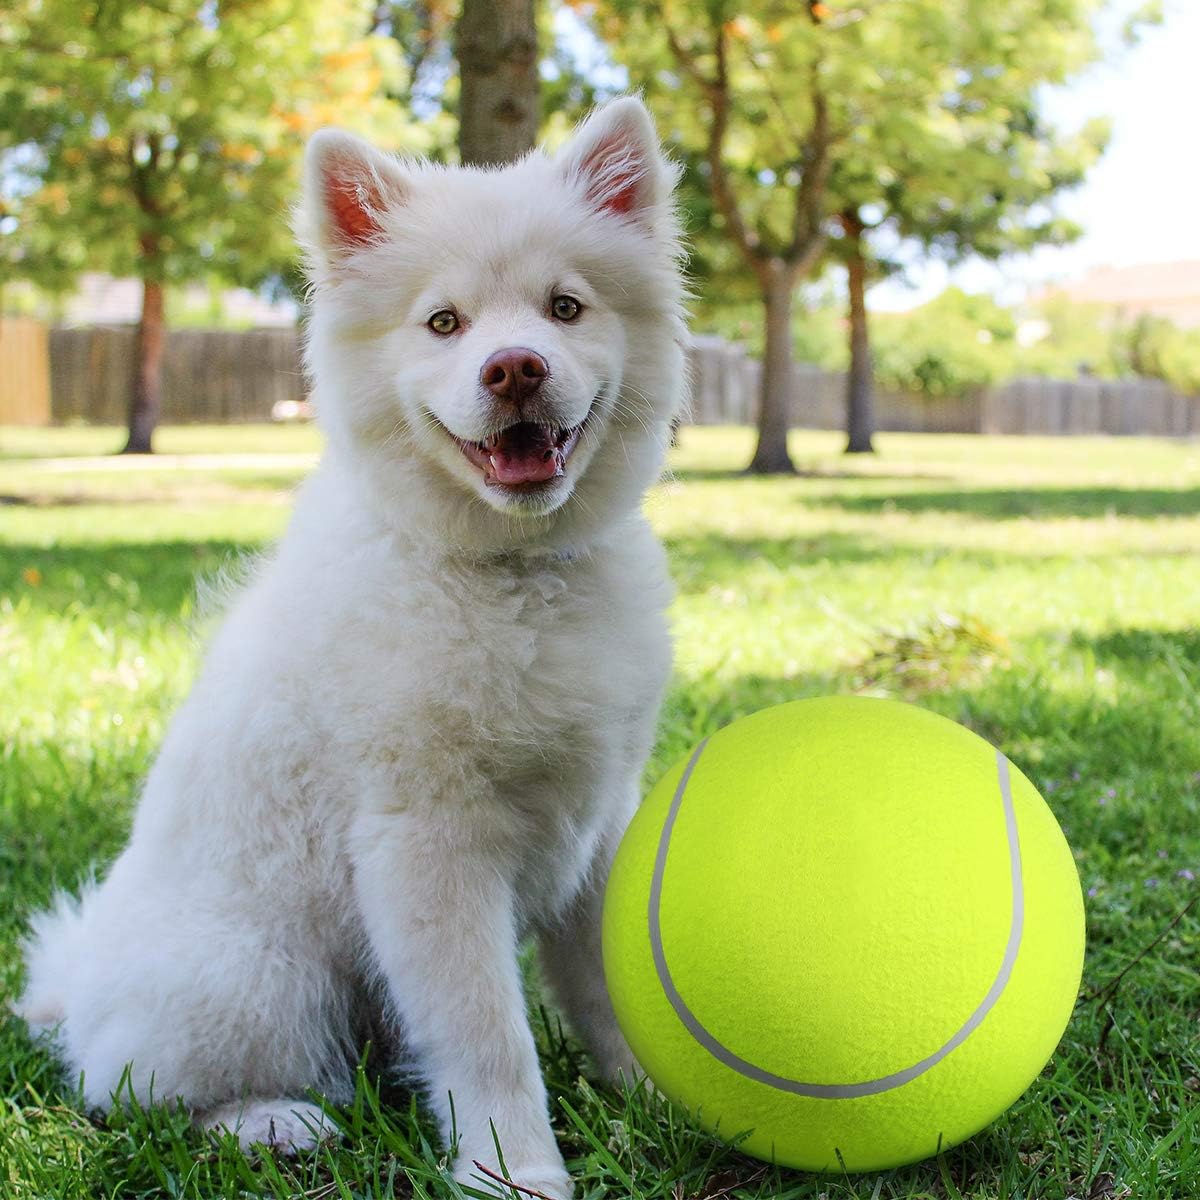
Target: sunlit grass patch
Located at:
point(1044, 591)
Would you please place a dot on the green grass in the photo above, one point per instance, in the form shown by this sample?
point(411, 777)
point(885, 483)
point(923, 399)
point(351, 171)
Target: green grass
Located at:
point(18, 442)
point(1045, 592)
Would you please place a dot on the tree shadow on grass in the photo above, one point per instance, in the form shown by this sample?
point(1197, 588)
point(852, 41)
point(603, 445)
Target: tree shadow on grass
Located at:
point(1143, 649)
point(709, 558)
point(175, 487)
point(1033, 704)
point(700, 561)
point(804, 472)
point(116, 577)
point(1000, 504)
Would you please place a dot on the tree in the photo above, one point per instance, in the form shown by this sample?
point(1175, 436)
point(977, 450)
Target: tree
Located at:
point(1065, 338)
point(955, 345)
point(782, 97)
point(497, 47)
point(767, 177)
point(1159, 349)
point(163, 141)
point(421, 30)
point(966, 165)
point(860, 413)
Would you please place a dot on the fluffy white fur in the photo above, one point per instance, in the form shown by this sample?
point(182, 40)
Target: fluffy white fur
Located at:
point(418, 736)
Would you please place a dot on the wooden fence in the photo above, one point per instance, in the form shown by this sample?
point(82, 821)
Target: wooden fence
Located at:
point(209, 376)
point(1080, 406)
point(24, 372)
point(230, 376)
point(725, 382)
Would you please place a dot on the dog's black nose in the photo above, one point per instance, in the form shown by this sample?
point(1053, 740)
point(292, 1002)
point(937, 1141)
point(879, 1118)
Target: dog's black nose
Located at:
point(514, 374)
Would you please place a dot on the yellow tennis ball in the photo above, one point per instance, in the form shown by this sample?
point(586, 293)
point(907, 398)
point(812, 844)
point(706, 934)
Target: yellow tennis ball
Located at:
point(848, 927)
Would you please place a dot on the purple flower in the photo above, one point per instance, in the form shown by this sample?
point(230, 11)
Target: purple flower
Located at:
point(1187, 873)
point(1092, 891)
point(1162, 854)
point(1075, 776)
point(1152, 882)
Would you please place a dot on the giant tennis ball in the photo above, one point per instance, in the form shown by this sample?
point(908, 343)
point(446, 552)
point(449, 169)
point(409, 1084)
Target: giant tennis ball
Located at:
point(848, 928)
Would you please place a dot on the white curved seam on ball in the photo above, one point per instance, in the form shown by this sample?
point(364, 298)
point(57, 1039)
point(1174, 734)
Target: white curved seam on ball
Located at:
point(837, 1091)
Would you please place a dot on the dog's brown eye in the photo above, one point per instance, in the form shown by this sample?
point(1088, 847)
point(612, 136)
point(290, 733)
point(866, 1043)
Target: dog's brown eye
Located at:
point(443, 322)
point(565, 308)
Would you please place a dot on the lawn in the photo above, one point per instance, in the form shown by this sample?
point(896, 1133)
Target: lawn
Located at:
point(1045, 592)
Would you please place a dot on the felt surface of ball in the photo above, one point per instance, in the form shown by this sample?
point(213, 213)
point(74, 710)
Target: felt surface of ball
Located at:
point(848, 926)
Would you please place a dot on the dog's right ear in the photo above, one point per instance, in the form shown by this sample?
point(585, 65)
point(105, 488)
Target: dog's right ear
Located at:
point(349, 187)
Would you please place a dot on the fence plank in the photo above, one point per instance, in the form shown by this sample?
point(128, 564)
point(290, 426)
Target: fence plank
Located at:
point(24, 372)
point(208, 375)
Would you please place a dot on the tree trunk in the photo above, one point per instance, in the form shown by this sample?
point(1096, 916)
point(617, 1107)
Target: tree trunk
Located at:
point(496, 44)
point(775, 398)
point(145, 402)
point(860, 406)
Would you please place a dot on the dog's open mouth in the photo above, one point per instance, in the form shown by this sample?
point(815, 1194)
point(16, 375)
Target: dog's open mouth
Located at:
point(523, 455)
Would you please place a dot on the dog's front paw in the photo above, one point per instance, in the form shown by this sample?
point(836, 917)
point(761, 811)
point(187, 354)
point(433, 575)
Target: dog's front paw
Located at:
point(623, 1072)
point(615, 1059)
point(550, 1179)
point(286, 1126)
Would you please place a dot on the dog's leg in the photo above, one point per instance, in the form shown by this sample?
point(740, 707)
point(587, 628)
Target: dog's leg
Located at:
point(570, 955)
point(436, 899)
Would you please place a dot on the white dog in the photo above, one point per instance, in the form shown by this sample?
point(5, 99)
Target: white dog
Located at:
point(419, 734)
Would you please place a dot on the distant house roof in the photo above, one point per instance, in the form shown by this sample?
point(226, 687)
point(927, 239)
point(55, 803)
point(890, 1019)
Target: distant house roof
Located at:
point(103, 300)
point(1170, 289)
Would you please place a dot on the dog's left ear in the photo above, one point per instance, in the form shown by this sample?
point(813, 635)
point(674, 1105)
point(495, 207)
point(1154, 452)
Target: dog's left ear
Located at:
point(616, 156)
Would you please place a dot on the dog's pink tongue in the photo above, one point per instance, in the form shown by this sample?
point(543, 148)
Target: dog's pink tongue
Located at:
point(524, 454)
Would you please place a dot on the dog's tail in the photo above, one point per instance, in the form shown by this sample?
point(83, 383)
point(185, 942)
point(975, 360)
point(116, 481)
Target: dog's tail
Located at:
point(53, 949)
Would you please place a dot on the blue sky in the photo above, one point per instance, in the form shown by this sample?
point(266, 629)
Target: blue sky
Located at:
point(1141, 203)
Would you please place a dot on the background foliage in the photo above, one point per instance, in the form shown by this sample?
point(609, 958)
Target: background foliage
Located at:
point(164, 140)
point(183, 122)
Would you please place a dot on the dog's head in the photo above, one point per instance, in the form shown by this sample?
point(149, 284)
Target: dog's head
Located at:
point(499, 349)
